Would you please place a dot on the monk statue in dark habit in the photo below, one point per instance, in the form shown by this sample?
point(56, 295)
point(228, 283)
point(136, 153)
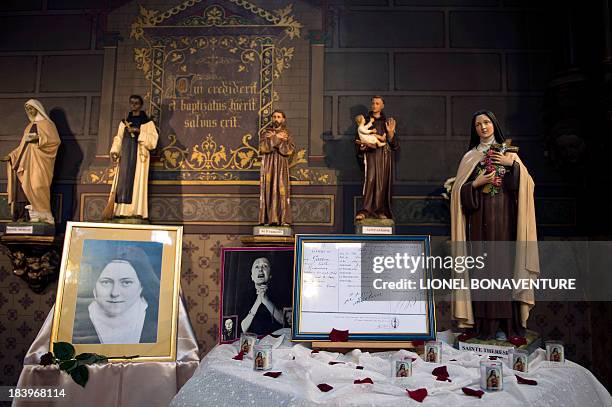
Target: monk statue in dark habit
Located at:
point(136, 137)
point(275, 147)
point(378, 165)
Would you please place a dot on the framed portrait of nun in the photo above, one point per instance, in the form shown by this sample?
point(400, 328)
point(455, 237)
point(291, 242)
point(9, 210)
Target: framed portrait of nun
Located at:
point(118, 290)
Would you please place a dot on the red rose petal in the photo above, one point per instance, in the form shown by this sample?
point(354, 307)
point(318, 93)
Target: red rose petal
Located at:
point(367, 380)
point(441, 374)
point(239, 356)
point(324, 387)
point(522, 380)
point(335, 363)
point(440, 371)
point(314, 351)
point(338, 336)
point(273, 374)
point(418, 395)
point(517, 340)
point(472, 392)
point(359, 367)
point(494, 357)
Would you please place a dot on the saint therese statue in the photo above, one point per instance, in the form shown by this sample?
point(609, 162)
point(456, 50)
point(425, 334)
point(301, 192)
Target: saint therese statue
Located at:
point(30, 167)
point(275, 147)
point(492, 201)
point(130, 151)
point(378, 165)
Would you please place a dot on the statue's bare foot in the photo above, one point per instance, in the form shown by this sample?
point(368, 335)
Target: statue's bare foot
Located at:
point(382, 216)
point(360, 216)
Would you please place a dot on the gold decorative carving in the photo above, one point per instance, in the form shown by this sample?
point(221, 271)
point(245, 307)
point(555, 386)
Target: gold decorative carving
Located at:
point(282, 58)
point(315, 177)
point(35, 259)
point(209, 156)
point(215, 17)
point(146, 19)
point(142, 57)
point(209, 159)
point(210, 163)
point(287, 20)
point(248, 47)
point(101, 176)
point(217, 209)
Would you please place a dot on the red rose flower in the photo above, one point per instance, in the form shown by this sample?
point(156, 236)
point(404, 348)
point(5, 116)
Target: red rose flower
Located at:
point(497, 181)
point(47, 359)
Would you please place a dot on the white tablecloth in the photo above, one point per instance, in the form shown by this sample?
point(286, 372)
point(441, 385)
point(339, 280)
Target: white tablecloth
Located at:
point(222, 381)
point(151, 384)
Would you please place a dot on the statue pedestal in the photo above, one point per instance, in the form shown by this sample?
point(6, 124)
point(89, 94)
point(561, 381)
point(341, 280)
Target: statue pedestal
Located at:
point(267, 240)
point(375, 227)
point(493, 347)
point(28, 229)
point(35, 259)
point(272, 231)
point(269, 236)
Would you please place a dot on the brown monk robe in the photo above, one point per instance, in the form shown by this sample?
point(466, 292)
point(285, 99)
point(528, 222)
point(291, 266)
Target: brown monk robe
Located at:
point(274, 196)
point(378, 167)
point(494, 218)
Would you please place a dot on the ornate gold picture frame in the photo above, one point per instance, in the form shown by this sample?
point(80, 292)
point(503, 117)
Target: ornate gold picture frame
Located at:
point(118, 290)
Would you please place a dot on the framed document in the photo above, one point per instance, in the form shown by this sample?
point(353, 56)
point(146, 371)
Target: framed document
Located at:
point(255, 291)
point(373, 286)
point(118, 290)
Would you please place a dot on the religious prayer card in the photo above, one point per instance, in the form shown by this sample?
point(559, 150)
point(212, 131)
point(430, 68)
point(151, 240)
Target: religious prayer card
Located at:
point(364, 284)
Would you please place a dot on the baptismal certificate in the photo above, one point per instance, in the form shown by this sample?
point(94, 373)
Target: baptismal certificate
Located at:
point(368, 285)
